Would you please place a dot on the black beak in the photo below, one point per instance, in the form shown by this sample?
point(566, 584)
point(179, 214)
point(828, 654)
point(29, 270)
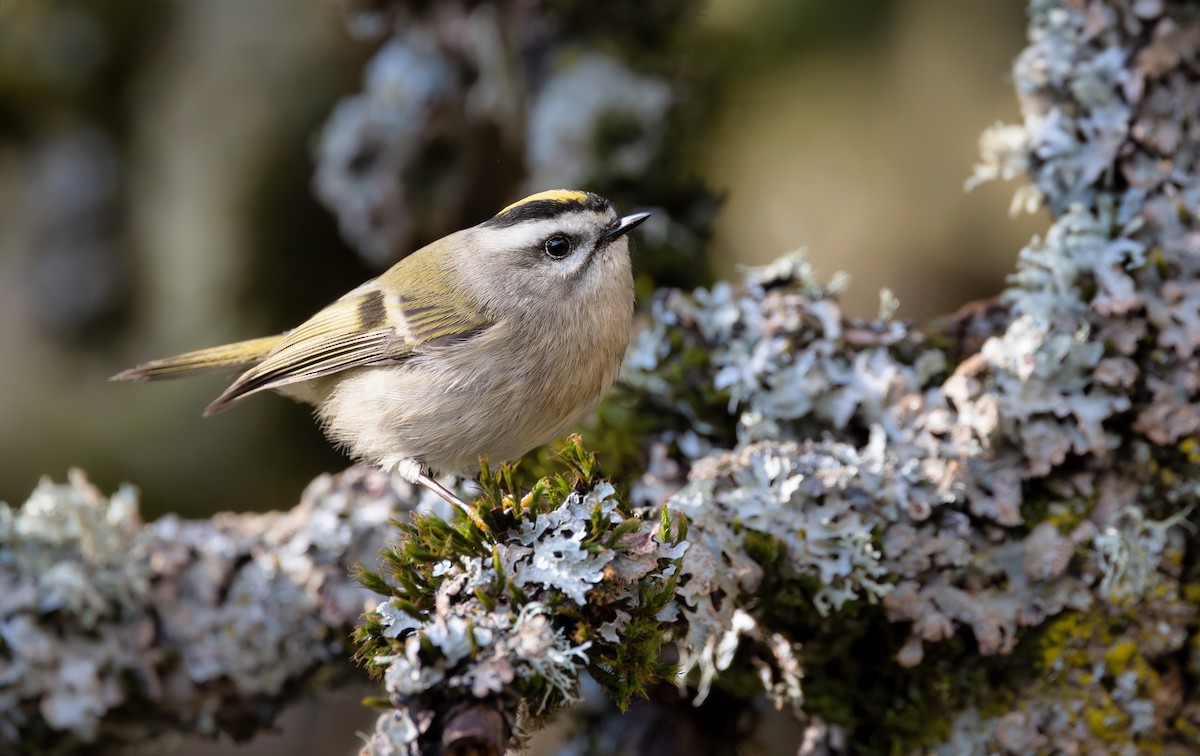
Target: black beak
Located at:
point(625, 225)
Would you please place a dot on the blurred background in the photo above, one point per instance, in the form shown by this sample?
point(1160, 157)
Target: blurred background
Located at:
point(176, 174)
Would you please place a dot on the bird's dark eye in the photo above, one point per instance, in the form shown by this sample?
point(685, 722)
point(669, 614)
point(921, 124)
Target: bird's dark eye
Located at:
point(558, 247)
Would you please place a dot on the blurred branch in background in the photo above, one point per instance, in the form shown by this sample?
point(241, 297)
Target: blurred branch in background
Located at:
point(134, 138)
point(466, 106)
point(193, 218)
point(846, 128)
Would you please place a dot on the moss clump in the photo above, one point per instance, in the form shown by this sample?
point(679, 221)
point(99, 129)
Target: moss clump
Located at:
point(852, 679)
point(526, 575)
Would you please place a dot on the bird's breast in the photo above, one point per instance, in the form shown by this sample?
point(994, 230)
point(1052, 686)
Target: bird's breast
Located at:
point(511, 388)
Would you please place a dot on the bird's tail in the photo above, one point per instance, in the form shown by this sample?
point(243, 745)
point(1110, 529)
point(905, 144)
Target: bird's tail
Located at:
point(225, 357)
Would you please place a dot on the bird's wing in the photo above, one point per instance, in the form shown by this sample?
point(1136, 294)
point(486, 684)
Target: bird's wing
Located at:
point(368, 326)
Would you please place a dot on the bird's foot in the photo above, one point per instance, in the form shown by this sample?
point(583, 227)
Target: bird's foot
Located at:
point(416, 473)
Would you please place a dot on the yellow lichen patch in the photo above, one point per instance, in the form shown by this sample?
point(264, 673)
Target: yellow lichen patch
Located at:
point(1190, 447)
point(1065, 641)
point(1191, 593)
point(550, 195)
point(1066, 515)
point(1107, 722)
point(1168, 477)
point(1091, 656)
point(1186, 729)
point(1117, 657)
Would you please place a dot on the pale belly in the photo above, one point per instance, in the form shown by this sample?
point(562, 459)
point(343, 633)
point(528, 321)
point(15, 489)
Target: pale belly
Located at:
point(449, 409)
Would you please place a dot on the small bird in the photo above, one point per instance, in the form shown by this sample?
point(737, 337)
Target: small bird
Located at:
point(487, 343)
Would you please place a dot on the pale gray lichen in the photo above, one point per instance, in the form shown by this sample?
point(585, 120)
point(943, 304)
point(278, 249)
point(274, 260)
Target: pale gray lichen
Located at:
point(1127, 553)
point(587, 94)
point(410, 88)
point(551, 552)
point(500, 647)
point(496, 631)
point(1018, 411)
point(459, 90)
point(996, 485)
point(116, 631)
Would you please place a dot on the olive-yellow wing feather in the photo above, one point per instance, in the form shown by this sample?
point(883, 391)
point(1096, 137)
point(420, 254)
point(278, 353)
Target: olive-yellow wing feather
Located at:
point(406, 310)
point(378, 323)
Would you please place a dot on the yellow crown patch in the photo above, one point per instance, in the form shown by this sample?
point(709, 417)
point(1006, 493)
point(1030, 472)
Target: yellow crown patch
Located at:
point(550, 195)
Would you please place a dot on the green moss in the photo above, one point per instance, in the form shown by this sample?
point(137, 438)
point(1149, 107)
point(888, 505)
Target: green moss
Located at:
point(1064, 514)
point(851, 676)
point(852, 679)
point(1191, 594)
point(625, 668)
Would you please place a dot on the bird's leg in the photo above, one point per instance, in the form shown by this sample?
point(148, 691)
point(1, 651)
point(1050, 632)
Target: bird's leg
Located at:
point(449, 497)
point(416, 473)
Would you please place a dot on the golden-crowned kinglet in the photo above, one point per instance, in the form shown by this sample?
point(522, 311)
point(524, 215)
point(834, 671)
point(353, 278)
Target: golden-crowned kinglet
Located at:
point(487, 343)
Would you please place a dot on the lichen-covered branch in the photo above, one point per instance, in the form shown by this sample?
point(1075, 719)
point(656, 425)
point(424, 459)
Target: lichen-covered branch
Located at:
point(895, 526)
point(113, 631)
point(975, 537)
point(1032, 496)
point(566, 579)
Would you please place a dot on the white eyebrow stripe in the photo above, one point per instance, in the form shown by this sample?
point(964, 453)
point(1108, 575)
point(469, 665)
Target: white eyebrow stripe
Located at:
point(533, 233)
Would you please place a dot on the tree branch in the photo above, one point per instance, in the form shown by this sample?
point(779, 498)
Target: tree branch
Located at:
point(115, 631)
point(976, 538)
